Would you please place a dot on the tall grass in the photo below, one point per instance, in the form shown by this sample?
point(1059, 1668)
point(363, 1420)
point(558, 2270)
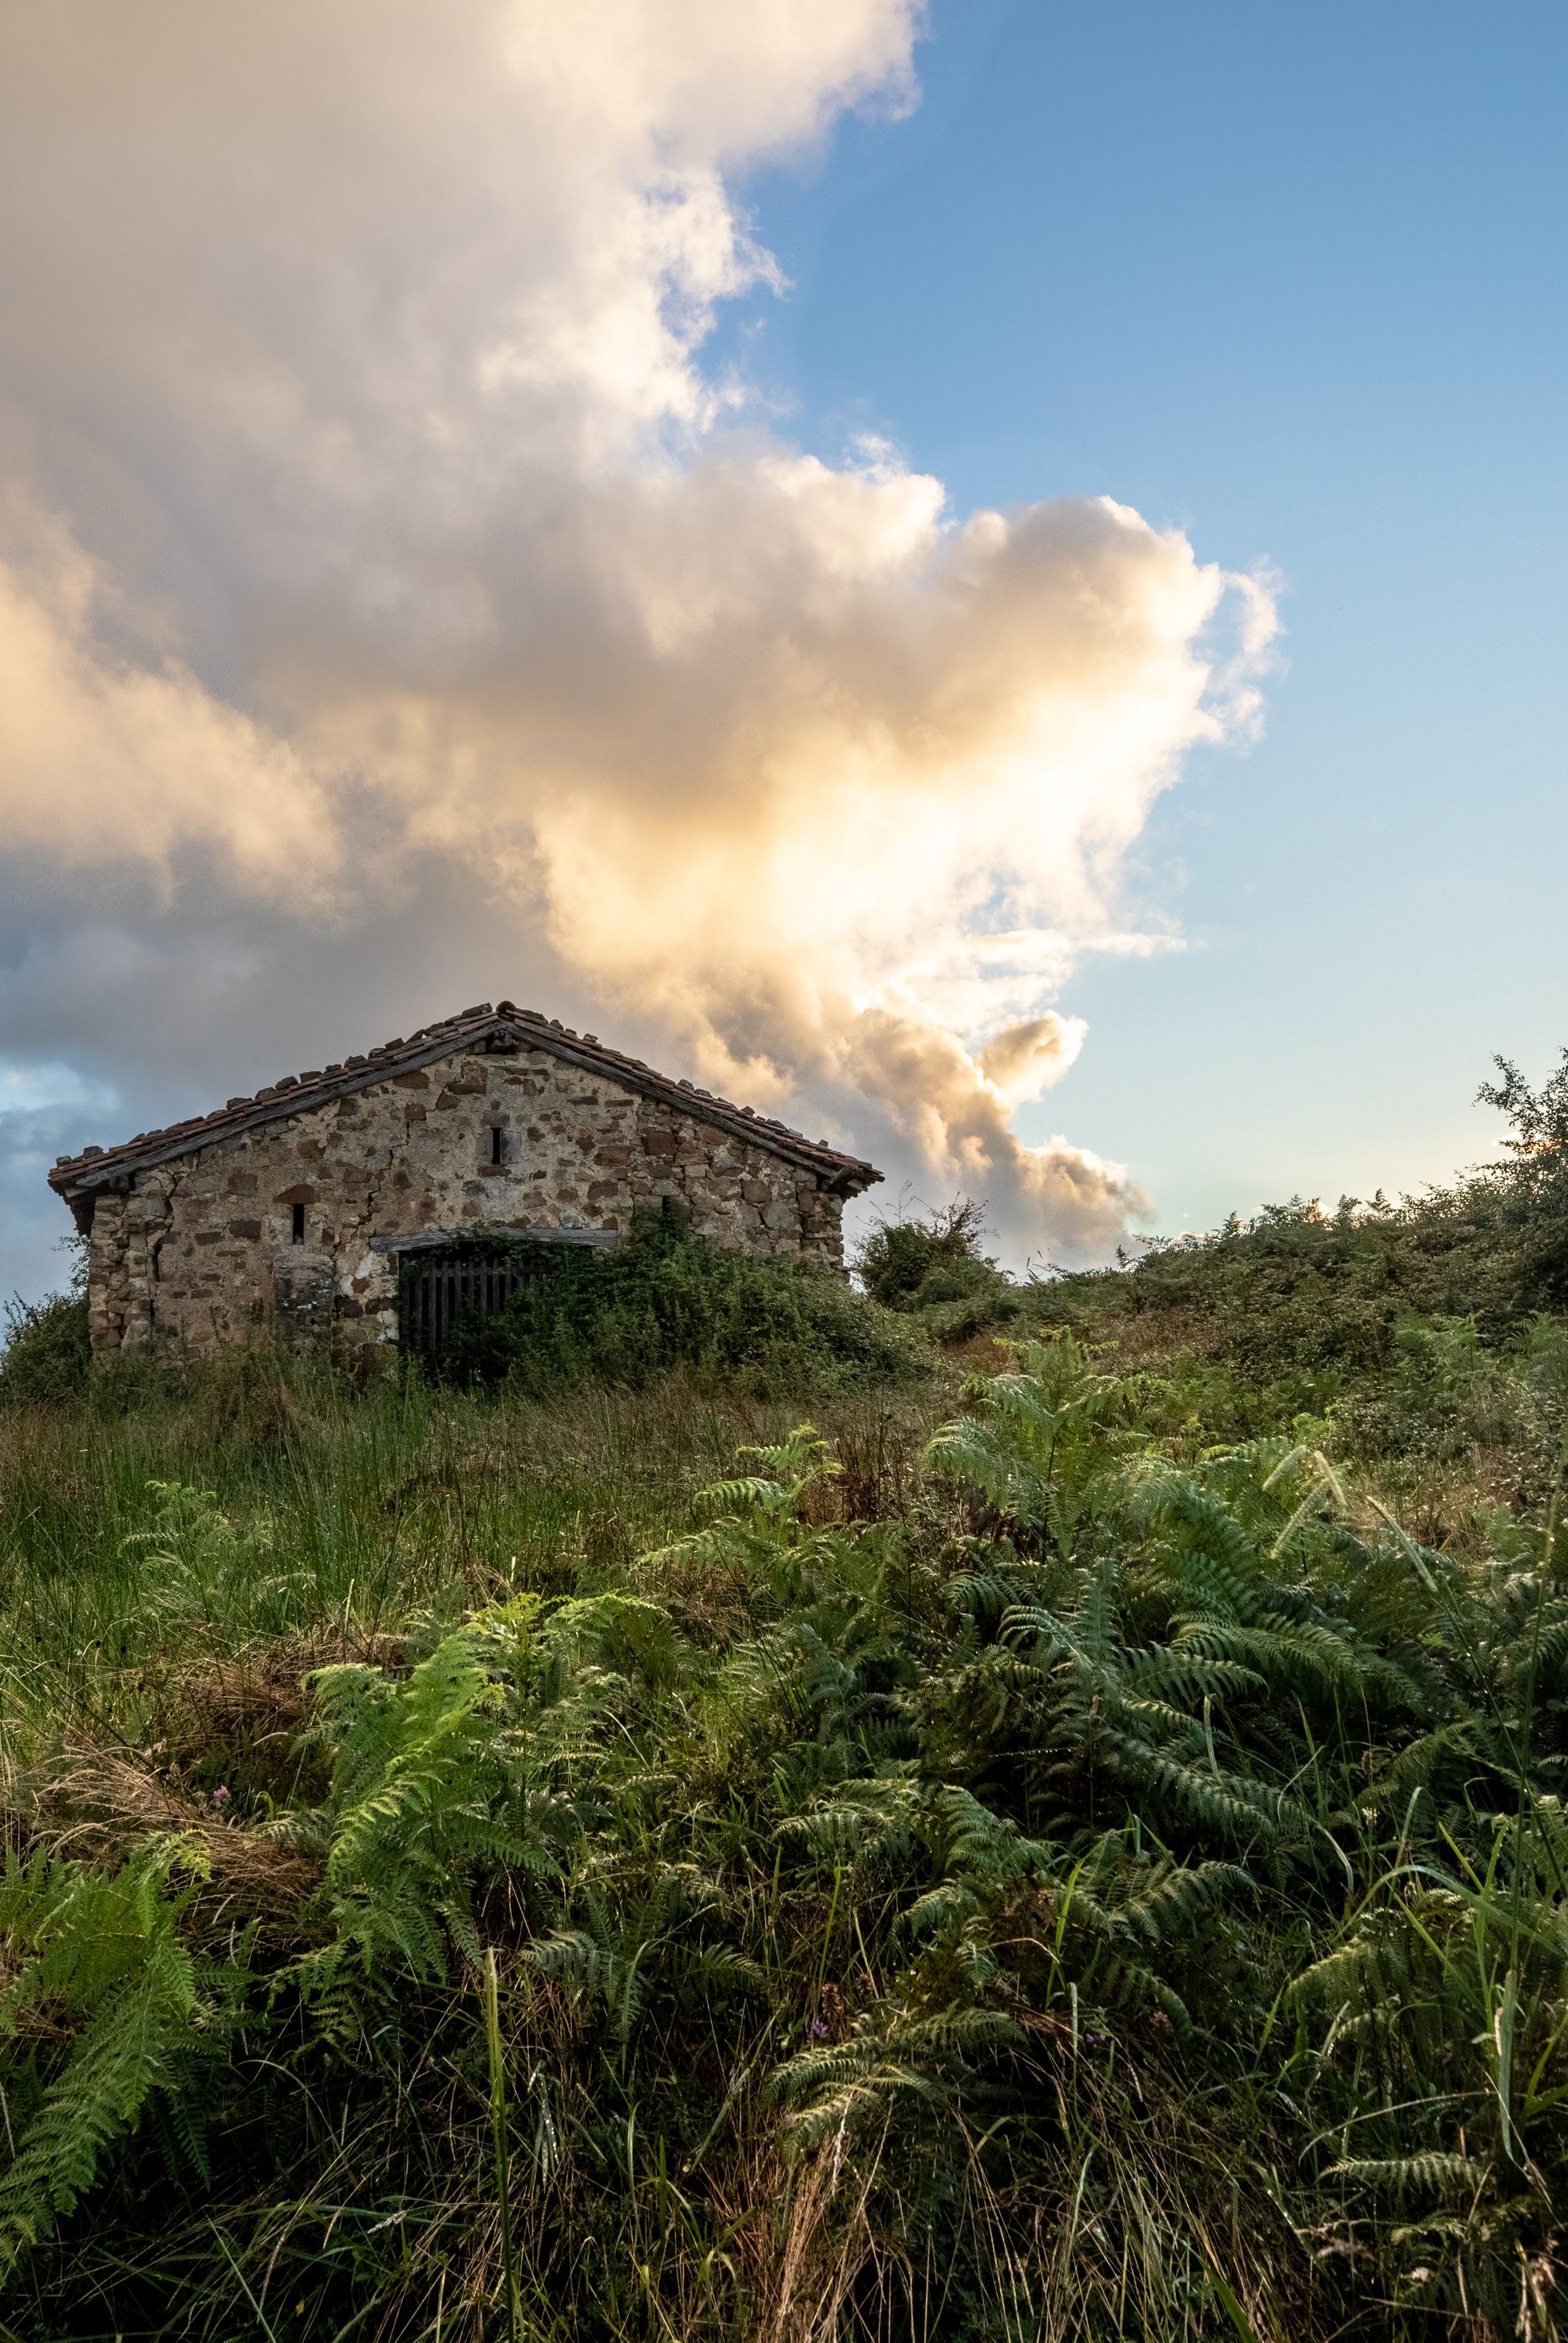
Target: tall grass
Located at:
point(1016, 1862)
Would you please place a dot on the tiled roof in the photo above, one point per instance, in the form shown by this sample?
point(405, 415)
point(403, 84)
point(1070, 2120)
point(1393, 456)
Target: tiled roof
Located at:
point(98, 1167)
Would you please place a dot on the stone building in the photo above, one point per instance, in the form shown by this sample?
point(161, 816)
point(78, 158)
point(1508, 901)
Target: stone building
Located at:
point(301, 1205)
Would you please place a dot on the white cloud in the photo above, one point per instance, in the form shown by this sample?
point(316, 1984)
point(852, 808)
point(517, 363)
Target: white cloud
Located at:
point(415, 561)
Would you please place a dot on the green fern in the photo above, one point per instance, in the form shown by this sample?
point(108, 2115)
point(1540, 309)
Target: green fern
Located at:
point(193, 1568)
point(641, 1939)
point(900, 2055)
point(1037, 1443)
point(1426, 2173)
point(481, 1760)
point(102, 1955)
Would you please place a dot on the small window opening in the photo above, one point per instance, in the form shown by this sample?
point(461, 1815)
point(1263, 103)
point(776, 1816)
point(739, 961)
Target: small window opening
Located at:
point(298, 1224)
point(497, 1144)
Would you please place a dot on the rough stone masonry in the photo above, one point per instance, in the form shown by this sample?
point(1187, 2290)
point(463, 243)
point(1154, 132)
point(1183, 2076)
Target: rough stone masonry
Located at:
point(293, 1208)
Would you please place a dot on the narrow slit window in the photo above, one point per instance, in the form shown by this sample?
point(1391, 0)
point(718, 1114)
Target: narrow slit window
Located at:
point(497, 1144)
point(298, 1224)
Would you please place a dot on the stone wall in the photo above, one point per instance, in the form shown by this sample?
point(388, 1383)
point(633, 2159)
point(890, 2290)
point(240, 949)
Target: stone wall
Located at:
point(202, 1248)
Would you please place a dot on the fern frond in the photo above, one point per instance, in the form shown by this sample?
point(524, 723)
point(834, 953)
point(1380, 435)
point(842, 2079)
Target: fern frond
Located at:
point(1427, 2171)
point(104, 1952)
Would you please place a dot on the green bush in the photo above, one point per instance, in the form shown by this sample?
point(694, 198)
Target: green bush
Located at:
point(903, 1264)
point(624, 1317)
point(46, 1354)
point(932, 1268)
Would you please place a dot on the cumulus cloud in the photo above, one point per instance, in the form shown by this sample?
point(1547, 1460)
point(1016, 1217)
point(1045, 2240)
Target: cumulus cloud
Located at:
point(393, 588)
point(104, 761)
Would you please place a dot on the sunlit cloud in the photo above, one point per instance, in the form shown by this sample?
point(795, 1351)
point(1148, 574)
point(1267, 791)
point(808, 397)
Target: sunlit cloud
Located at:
point(383, 552)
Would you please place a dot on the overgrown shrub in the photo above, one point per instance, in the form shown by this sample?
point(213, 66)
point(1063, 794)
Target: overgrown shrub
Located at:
point(46, 1354)
point(666, 1300)
point(932, 1267)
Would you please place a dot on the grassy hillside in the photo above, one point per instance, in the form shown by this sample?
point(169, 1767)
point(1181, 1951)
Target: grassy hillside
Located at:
point(1061, 1841)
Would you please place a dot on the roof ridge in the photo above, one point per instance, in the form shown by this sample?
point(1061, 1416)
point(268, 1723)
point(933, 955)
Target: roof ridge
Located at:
point(292, 1093)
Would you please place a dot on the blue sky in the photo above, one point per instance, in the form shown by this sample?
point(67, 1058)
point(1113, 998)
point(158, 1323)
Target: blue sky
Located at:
point(1291, 279)
point(1288, 280)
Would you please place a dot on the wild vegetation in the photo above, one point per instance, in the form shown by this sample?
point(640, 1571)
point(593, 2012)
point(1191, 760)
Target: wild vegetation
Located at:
point(1066, 1844)
point(670, 1301)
